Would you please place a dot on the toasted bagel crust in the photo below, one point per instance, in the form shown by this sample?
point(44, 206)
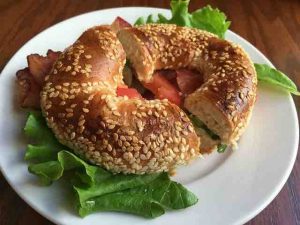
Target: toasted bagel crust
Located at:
point(225, 101)
point(124, 135)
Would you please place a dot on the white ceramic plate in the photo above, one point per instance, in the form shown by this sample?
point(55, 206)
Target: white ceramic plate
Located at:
point(232, 187)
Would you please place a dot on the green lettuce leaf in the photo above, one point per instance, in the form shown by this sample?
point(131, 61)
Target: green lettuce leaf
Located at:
point(206, 18)
point(123, 202)
point(50, 171)
point(199, 124)
point(147, 200)
point(39, 153)
point(221, 148)
point(275, 77)
point(113, 183)
point(212, 20)
point(168, 193)
point(95, 188)
point(45, 145)
point(47, 171)
point(140, 21)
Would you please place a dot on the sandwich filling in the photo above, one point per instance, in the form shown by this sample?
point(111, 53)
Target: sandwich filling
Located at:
point(173, 85)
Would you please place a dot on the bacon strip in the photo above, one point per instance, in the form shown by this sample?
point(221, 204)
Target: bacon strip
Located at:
point(39, 66)
point(188, 81)
point(31, 78)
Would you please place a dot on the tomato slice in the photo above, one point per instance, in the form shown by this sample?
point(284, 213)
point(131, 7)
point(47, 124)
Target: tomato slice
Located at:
point(119, 24)
point(188, 81)
point(168, 84)
point(129, 92)
point(162, 88)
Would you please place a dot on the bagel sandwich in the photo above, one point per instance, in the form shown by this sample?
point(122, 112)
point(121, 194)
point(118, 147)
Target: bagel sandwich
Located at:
point(186, 92)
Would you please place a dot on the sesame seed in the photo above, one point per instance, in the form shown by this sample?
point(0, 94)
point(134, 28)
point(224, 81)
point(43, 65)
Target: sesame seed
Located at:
point(69, 110)
point(112, 126)
point(116, 136)
point(69, 115)
point(72, 135)
point(68, 68)
point(85, 110)
point(81, 122)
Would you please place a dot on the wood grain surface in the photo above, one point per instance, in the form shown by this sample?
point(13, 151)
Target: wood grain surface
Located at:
point(273, 26)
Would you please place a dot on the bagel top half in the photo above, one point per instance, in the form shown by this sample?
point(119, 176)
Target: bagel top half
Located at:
point(225, 101)
point(80, 105)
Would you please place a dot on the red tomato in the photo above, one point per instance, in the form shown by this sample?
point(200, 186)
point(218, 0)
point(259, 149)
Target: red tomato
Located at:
point(129, 92)
point(162, 88)
point(188, 81)
point(119, 24)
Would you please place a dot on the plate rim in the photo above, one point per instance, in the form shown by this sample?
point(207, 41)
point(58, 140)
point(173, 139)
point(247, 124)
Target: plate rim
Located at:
point(251, 214)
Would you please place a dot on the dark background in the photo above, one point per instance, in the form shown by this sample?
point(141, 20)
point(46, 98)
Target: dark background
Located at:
point(273, 26)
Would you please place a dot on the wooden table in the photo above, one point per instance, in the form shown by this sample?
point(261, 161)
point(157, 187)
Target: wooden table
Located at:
point(273, 26)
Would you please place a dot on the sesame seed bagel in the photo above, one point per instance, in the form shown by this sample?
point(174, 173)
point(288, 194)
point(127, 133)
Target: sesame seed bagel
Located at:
point(134, 135)
point(225, 101)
